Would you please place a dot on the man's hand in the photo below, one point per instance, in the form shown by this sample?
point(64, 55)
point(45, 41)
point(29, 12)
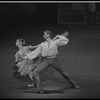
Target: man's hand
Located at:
point(65, 34)
point(35, 46)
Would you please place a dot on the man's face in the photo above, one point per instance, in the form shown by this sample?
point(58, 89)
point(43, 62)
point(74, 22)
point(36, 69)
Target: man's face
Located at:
point(46, 35)
point(18, 43)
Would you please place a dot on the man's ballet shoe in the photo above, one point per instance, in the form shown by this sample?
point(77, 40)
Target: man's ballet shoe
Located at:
point(31, 85)
point(75, 86)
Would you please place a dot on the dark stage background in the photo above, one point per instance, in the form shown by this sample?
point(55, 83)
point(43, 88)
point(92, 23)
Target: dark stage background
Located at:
point(80, 58)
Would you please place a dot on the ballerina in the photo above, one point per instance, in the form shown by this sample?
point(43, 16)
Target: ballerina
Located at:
point(26, 66)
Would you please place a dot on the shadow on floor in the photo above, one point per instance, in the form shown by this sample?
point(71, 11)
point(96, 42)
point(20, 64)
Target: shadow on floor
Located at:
point(30, 90)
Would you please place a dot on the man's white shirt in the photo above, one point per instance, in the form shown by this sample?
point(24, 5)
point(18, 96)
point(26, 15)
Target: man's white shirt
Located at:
point(48, 49)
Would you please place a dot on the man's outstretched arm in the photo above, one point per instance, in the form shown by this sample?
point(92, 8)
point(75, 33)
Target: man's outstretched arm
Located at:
point(61, 39)
point(65, 34)
point(34, 54)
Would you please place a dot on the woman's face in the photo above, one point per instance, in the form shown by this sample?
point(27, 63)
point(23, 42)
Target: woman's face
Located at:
point(18, 43)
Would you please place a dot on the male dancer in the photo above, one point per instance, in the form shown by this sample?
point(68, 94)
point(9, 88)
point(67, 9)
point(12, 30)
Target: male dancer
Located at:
point(48, 51)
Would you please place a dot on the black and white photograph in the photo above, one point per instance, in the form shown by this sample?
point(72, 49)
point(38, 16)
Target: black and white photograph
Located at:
point(49, 49)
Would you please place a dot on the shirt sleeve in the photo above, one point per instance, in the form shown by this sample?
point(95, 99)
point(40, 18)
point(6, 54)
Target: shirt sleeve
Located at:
point(61, 40)
point(35, 53)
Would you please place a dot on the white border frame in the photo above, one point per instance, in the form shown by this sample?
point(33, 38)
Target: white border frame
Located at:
point(49, 1)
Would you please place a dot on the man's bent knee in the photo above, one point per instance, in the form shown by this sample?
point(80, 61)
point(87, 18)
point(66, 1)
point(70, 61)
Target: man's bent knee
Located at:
point(35, 73)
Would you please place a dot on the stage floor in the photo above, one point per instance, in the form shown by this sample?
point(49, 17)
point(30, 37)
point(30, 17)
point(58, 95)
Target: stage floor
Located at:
point(89, 88)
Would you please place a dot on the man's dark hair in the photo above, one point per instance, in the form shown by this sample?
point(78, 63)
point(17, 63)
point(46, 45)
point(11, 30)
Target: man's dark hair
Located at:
point(22, 40)
point(49, 32)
